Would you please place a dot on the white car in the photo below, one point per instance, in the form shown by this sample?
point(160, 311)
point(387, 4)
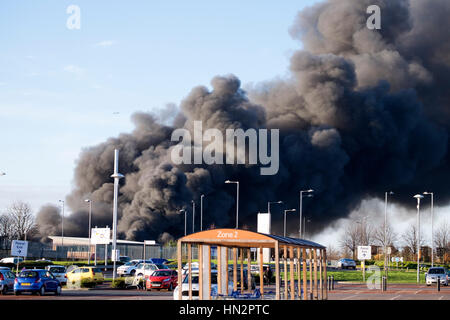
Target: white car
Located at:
point(346, 264)
point(129, 268)
point(195, 288)
point(146, 269)
point(59, 272)
point(194, 266)
point(12, 260)
point(434, 273)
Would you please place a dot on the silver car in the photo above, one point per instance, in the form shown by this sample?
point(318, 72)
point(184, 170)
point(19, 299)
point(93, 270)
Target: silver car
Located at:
point(346, 264)
point(434, 273)
point(59, 272)
point(6, 280)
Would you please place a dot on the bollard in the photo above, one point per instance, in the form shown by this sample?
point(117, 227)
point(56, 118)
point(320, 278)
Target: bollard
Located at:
point(439, 283)
point(384, 283)
point(332, 282)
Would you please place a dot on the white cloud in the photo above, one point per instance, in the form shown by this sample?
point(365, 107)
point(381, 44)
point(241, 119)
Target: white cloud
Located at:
point(73, 69)
point(105, 43)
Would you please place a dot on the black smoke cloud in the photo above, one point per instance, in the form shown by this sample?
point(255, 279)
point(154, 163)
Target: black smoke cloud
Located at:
point(363, 112)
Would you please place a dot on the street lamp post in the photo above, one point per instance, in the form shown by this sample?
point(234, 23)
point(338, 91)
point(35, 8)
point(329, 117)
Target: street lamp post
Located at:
point(385, 228)
point(185, 221)
point(90, 215)
point(62, 225)
point(193, 216)
point(418, 197)
point(201, 212)
point(117, 176)
point(308, 192)
point(286, 211)
point(237, 201)
point(432, 234)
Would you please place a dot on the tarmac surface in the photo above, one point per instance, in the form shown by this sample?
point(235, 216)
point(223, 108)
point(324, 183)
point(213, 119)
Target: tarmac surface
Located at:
point(342, 291)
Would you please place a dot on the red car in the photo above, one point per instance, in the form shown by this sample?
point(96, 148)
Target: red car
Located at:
point(162, 279)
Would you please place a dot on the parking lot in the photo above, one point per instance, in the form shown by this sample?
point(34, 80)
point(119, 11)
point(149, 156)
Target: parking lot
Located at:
point(342, 291)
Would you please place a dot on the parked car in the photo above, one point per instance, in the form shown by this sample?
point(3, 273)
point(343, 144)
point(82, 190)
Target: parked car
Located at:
point(162, 279)
point(59, 272)
point(90, 273)
point(194, 265)
point(12, 260)
point(158, 261)
point(36, 281)
point(146, 269)
point(44, 260)
point(254, 268)
point(252, 280)
point(346, 264)
point(195, 287)
point(434, 273)
point(124, 259)
point(129, 268)
point(6, 280)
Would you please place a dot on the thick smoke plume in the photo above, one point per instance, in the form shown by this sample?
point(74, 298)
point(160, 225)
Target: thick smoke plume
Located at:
point(364, 112)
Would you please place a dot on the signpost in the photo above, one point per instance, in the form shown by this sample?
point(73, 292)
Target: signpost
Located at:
point(19, 248)
point(101, 236)
point(364, 253)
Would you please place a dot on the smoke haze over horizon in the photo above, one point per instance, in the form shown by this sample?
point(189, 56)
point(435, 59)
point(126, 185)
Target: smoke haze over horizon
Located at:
point(361, 113)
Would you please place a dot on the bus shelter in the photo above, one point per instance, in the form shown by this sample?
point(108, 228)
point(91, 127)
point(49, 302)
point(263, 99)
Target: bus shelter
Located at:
point(302, 258)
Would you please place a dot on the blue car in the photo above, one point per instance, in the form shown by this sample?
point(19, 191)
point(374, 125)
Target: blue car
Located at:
point(36, 281)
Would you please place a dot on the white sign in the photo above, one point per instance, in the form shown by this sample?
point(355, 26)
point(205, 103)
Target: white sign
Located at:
point(100, 236)
point(149, 242)
point(364, 252)
point(388, 250)
point(19, 248)
point(115, 255)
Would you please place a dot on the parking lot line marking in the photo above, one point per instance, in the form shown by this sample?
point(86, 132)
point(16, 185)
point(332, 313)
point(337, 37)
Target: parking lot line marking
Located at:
point(349, 297)
point(393, 298)
point(442, 297)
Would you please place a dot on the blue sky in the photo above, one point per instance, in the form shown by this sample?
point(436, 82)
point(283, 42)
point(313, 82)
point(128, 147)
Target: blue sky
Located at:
point(60, 88)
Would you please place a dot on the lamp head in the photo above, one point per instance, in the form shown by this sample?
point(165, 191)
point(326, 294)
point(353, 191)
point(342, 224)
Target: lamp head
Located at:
point(87, 200)
point(419, 196)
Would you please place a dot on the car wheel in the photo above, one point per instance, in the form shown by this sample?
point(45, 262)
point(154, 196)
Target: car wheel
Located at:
point(132, 272)
point(58, 291)
point(4, 290)
point(171, 287)
point(41, 291)
point(17, 293)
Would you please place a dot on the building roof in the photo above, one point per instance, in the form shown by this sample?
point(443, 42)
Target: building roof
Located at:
point(85, 241)
point(247, 239)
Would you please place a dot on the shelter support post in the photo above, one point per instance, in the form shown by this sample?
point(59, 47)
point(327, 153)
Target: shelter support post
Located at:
point(261, 273)
point(189, 260)
point(285, 273)
point(277, 272)
point(325, 271)
point(249, 274)
point(315, 274)
point(235, 269)
point(291, 271)
point(305, 288)
point(180, 263)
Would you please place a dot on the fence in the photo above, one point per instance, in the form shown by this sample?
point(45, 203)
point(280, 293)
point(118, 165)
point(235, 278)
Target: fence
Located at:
point(38, 250)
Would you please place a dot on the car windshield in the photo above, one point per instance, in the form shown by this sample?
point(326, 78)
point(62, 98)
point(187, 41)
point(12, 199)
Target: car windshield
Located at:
point(160, 266)
point(161, 273)
point(57, 270)
point(130, 263)
point(28, 274)
point(436, 271)
point(195, 278)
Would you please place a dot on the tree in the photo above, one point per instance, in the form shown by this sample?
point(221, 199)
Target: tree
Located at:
point(357, 233)
point(442, 240)
point(6, 229)
point(410, 240)
point(21, 219)
point(391, 236)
